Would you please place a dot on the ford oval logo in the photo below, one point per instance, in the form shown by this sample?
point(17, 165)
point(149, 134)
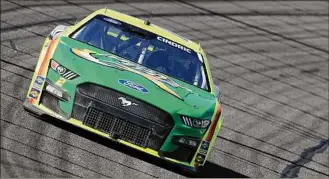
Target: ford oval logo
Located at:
point(134, 86)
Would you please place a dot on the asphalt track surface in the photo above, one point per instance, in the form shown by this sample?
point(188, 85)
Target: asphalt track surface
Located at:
point(269, 58)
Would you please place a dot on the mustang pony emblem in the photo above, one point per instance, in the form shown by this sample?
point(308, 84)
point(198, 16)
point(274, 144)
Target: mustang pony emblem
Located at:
point(125, 102)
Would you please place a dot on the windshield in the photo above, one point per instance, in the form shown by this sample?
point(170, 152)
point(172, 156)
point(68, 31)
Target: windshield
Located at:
point(146, 48)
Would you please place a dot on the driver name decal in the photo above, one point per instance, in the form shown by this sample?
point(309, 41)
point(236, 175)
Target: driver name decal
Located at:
point(174, 44)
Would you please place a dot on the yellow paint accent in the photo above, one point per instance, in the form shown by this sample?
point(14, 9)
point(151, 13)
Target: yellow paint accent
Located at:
point(61, 81)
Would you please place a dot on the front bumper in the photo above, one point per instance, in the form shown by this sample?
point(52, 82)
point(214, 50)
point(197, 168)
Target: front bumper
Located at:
point(41, 110)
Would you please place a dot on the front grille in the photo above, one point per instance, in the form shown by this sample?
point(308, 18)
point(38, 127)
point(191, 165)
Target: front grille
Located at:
point(142, 124)
point(116, 127)
point(142, 109)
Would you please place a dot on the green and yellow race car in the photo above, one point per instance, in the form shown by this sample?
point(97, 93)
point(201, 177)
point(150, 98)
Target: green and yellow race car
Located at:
point(130, 81)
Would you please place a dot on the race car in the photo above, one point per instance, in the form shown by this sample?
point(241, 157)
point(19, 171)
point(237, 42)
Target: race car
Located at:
point(131, 81)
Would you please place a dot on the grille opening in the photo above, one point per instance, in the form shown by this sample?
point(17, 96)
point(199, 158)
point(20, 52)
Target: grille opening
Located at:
point(116, 127)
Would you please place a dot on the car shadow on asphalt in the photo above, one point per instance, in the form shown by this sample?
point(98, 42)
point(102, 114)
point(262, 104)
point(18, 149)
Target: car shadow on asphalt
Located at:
point(210, 170)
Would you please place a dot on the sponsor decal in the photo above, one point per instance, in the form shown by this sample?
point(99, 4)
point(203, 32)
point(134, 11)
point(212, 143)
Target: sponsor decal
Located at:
point(204, 147)
point(66, 73)
point(200, 158)
point(125, 102)
point(38, 82)
point(174, 44)
point(134, 86)
point(34, 93)
point(116, 62)
point(61, 70)
point(124, 64)
point(60, 81)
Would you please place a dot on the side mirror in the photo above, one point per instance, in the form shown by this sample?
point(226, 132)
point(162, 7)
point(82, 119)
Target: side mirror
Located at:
point(56, 31)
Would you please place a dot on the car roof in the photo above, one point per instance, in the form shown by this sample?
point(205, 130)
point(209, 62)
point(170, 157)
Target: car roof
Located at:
point(152, 28)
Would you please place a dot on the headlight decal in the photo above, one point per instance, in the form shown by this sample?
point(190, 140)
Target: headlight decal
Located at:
point(190, 142)
point(63, 71)
point(187, 121)
point(195, 123)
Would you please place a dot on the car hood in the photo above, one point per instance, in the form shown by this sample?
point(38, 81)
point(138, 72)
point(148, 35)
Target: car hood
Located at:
point(97, 66)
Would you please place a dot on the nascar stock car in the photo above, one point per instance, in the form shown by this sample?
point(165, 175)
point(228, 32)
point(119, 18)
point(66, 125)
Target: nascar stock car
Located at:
point(132, 82)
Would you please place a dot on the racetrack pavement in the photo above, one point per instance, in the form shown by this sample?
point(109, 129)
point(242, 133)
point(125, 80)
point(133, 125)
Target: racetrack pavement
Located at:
point(270, 60)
